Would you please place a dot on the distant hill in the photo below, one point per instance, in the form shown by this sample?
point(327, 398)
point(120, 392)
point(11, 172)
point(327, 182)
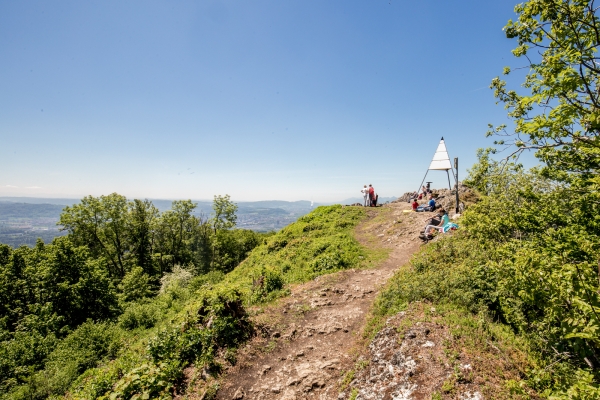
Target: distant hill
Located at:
point(39, 200)
point(10, 210)
point(24, 219)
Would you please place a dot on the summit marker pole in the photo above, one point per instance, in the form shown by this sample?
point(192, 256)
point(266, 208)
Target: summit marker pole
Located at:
point(456, 179)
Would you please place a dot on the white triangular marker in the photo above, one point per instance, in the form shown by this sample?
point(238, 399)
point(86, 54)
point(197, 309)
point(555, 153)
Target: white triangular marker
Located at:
point(441, 160)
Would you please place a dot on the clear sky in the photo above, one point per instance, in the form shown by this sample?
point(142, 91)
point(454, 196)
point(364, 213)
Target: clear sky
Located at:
point(288, 100)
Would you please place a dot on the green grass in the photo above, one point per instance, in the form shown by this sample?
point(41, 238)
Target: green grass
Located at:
point(454, 275)
point(195, 324)
point(318, 243)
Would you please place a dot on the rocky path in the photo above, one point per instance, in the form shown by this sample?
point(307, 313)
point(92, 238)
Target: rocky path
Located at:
point(309, 338)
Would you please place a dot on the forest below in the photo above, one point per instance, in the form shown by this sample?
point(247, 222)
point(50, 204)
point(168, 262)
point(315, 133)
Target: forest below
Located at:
point(112, 308)
point(25, 219)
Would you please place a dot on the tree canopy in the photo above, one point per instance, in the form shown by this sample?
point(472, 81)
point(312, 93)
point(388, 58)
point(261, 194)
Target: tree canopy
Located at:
point(111, 263)
point(558, 113)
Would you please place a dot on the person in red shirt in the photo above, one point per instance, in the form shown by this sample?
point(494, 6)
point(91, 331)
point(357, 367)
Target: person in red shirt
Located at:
point(371, 194)
point(415, 204)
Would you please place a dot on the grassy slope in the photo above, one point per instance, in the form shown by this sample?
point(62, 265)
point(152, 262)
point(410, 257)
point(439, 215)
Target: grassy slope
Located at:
point(452, 274)
point(503, 357)
point(318, 243)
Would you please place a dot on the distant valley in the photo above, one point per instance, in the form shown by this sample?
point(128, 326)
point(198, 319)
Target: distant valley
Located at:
point(23, 223)
point(24, 219)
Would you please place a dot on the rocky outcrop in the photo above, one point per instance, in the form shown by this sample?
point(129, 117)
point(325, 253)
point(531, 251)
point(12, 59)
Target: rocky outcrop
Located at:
point(446, 197)
point(409, 364)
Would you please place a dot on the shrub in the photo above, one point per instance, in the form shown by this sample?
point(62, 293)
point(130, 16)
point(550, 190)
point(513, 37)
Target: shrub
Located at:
point(179, 278)
point(140, 315)
point(265, 284)
point(80, 350)
point(327, 262)
point(20, 354)
point(148, 381)
point(135, 285)
point(205, 280)
point(220, 322)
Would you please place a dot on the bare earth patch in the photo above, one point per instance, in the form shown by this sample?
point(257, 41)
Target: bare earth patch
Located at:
point(308, 339)
point(424, 353)
point(313, 345)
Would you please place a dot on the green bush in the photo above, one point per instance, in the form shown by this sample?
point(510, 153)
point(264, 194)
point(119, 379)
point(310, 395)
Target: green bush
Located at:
point(21, 353)
point(140, 315)
point(148, 381)
point(82, 349)
point(205, 280)
point(135, 285)
point(453, 269)
point(526, 254)
point(266, 284)
point(327, 262)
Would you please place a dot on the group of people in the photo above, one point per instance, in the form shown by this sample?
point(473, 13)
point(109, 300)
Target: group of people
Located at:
point(369, 195)
point(440, 222)
point(424, 193)
point(431, 205)
point(427, 194)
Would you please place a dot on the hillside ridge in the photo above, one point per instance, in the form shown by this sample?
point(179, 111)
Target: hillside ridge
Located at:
point(309, 338)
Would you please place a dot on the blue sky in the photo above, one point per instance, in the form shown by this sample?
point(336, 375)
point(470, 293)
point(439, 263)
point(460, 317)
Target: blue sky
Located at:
point(259, 99)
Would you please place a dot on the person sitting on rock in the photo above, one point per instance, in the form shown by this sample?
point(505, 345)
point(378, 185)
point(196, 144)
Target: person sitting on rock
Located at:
point(438, 224)
point(414, 195)
point(415, 204)
point(431, 203)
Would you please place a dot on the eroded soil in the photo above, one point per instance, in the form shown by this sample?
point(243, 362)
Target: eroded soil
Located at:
point(310, 338)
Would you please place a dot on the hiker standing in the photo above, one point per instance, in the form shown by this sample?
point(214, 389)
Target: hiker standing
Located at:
point(371, 194)
point(365, 192)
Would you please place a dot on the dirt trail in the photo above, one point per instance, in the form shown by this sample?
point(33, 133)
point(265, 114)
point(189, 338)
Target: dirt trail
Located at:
point(308, 338)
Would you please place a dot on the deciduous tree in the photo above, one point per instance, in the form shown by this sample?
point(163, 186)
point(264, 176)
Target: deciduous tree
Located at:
point(558, 113)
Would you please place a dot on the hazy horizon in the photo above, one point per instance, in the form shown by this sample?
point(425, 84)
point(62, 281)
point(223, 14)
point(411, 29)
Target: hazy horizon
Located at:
point(2, 198)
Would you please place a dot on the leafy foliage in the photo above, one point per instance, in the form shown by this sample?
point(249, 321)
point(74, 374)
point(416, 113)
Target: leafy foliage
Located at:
point(85, 314)
point(198, 318)
point(558, 115)
point(53, 286)
point(224, 210)
point(548, 268)
point(135, 285)
point(100, 279)
point(80, 350)
point(140, 315)
point(526, 254)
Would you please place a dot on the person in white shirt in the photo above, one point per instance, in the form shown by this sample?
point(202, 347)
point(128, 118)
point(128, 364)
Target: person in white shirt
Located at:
point(365, 192)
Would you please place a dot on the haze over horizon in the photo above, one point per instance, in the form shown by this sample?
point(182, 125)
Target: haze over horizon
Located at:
point(73, 200)
point(300, 100)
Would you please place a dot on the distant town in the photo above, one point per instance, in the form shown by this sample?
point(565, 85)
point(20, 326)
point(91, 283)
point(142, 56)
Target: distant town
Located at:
point(25, 219)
